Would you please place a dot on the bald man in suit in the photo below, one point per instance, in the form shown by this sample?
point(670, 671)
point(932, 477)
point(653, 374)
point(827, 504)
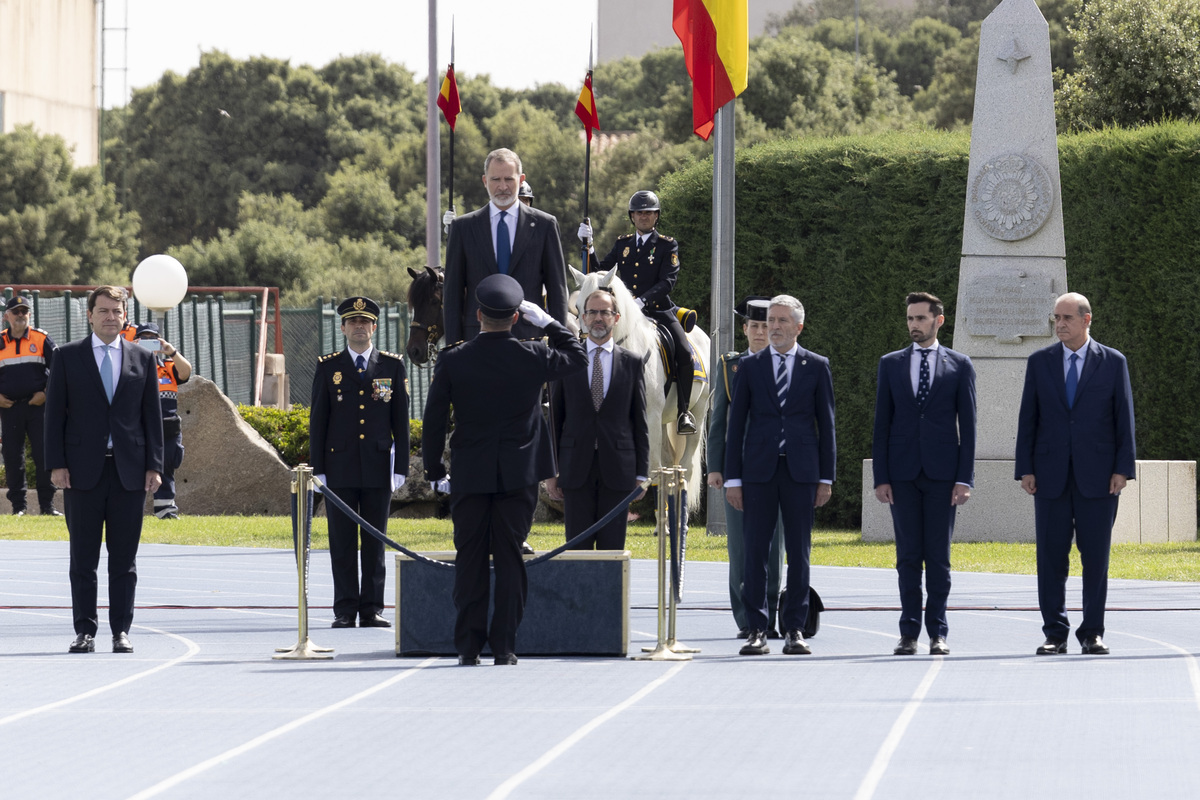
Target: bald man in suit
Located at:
point(504, 237)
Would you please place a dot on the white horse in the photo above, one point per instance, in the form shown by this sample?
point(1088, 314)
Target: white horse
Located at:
point(636, 332)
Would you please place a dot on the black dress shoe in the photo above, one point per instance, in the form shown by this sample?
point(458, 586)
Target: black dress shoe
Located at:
point(121, 643)
point(84, 643)
point(938, 646)
point(468, 661)
point(794, 645)
point(687, 424)
point(51, 512)
point(505, 660)
point(1051, 646)
point(527, 549)
point(743, 633)
point(1093, 646)
point(756, 644)
point(373, 619)
point(907, 646)
point(342, 621)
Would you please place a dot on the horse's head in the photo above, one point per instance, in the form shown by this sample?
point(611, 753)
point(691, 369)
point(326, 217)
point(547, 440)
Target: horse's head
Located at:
point(425, 314)
point(633, 331)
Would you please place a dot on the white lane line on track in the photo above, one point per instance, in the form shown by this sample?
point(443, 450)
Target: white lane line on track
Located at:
point(505, 789)
point(870, 783)
point(1192, 667)
point(221, 758)
point(192, 649)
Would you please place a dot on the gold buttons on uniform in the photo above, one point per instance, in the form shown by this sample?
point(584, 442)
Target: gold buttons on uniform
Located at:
point(362, 422)
point(362, 436)
point(361, 407)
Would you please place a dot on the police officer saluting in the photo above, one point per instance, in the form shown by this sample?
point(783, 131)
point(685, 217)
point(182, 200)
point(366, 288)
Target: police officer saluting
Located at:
point(25, 355)
point(173, 369)
point(648, 264)
point(358, 445)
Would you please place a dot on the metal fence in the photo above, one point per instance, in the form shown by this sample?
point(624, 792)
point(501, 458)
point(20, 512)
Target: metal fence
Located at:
point(220, 338)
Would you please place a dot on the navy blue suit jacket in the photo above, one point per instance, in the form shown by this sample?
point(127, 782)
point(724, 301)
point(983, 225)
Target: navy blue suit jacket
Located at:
point(756, 419)
point(938, 436)
point(1095, 437)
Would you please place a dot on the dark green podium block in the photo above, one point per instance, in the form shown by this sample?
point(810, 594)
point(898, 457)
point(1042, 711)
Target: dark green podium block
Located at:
point(578, 604)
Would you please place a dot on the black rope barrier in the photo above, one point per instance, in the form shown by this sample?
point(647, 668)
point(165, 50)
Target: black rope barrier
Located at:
point(340, 505)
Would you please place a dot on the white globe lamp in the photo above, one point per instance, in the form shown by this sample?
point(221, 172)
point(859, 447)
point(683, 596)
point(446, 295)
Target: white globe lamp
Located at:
point(160, 282)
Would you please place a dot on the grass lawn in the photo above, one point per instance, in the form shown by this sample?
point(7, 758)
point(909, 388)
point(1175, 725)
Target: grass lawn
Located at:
point(1165, 562)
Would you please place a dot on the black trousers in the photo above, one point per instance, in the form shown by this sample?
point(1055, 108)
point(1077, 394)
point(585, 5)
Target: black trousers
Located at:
point(164, 497)
point(684, 369)
point(923, 520)
point(17, 423)
point(350, 597)
point(490, 524)
point(764, 504)
point(584, 506)
point(110, 512)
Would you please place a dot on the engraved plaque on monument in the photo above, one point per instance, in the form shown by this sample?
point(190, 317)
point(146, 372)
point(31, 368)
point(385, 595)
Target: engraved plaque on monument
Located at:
point(1008, 306)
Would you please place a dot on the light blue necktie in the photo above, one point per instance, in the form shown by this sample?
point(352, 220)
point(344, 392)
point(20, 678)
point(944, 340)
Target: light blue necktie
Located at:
point(503, 245)
point(1072, 379)
point(106, 373)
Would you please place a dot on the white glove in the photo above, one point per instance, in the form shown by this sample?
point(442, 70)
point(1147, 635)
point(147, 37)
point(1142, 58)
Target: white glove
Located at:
point(585, 232)
point(535, 314)
point(442, 486)
point(397, 481)
point(640, 303)
point(447, 218)
point(321, 478)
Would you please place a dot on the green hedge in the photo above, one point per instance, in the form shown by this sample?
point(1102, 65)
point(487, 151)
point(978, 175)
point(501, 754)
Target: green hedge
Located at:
point(849, 226)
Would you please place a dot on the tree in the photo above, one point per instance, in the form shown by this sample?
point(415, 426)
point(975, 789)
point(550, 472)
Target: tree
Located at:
point(1138, 61)
point(950, 96)
point(58, 224)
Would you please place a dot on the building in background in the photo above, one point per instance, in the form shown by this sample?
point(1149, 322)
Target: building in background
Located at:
point(49, 71)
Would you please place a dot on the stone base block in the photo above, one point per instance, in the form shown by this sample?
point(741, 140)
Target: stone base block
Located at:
point(1160, 506)
point(578, 604)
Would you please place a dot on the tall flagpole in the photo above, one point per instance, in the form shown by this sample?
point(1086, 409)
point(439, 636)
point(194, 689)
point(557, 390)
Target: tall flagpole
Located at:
point(433, 157)
point(722, 267)
point(585, 262)
point(452, 127)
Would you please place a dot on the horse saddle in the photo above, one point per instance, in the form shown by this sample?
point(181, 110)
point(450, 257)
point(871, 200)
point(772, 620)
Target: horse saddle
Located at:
point(666, 353)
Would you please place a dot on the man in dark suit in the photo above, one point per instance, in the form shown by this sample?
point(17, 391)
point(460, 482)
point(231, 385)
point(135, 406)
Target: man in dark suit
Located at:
point(1075, 453)
point(600, 427)
point(529, 251)
point(358, 445)
point(754, 311)
point(923, 457)
point(499, 452)
point(780, 457)
point(648, 264)
point(104, 448)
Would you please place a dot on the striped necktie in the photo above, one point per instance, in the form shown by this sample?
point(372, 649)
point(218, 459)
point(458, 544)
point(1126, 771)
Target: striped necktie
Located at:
point(781, 389)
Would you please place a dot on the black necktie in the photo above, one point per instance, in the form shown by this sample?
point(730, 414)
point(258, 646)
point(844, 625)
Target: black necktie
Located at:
point(503, 245)
point(923, 377)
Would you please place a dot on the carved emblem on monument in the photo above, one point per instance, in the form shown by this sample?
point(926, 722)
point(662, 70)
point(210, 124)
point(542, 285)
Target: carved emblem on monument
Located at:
point(1013, 54)
point(1011, 197)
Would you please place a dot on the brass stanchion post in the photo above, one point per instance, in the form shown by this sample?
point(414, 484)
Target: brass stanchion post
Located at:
point(304, 649)
point(667, 483)
point(680, 522)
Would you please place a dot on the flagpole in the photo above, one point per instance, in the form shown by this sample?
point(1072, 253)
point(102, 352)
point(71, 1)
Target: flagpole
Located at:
point(433, 186)
point(586, 262)
point(451, 127)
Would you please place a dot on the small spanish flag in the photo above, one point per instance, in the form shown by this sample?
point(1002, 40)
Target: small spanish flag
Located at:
point(448, 100)
point(585, 109)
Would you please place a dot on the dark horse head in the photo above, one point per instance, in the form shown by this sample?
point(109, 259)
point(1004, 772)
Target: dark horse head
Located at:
point(425, 310)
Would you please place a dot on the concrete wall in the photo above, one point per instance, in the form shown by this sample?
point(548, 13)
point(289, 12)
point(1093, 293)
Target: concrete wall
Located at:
point(49, 70)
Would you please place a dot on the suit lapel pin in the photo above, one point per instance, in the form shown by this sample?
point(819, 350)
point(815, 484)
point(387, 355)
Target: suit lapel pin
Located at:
point(803, 361)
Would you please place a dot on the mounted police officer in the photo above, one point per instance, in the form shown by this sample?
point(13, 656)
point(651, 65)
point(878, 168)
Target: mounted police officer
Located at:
point(25, 355)
point(525, 194)
point(648, 264)
point(358, 444)
point(173, 370)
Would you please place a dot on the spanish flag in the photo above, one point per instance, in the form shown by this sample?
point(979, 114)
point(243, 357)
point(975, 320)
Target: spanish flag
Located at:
point(585, 109)
point(448, 97)
point(716, 47)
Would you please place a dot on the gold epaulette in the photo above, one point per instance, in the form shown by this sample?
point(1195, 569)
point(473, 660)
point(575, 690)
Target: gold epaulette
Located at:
point(666, 238)
point(391, 355)
point(626, 236)
point(328, 356)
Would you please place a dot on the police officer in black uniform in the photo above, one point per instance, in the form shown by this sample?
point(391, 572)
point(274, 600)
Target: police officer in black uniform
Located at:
point(525, 193)
point(500, 450)
point(173, 370)
point(358, 445)
point(25, 355)
point(648, 264)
